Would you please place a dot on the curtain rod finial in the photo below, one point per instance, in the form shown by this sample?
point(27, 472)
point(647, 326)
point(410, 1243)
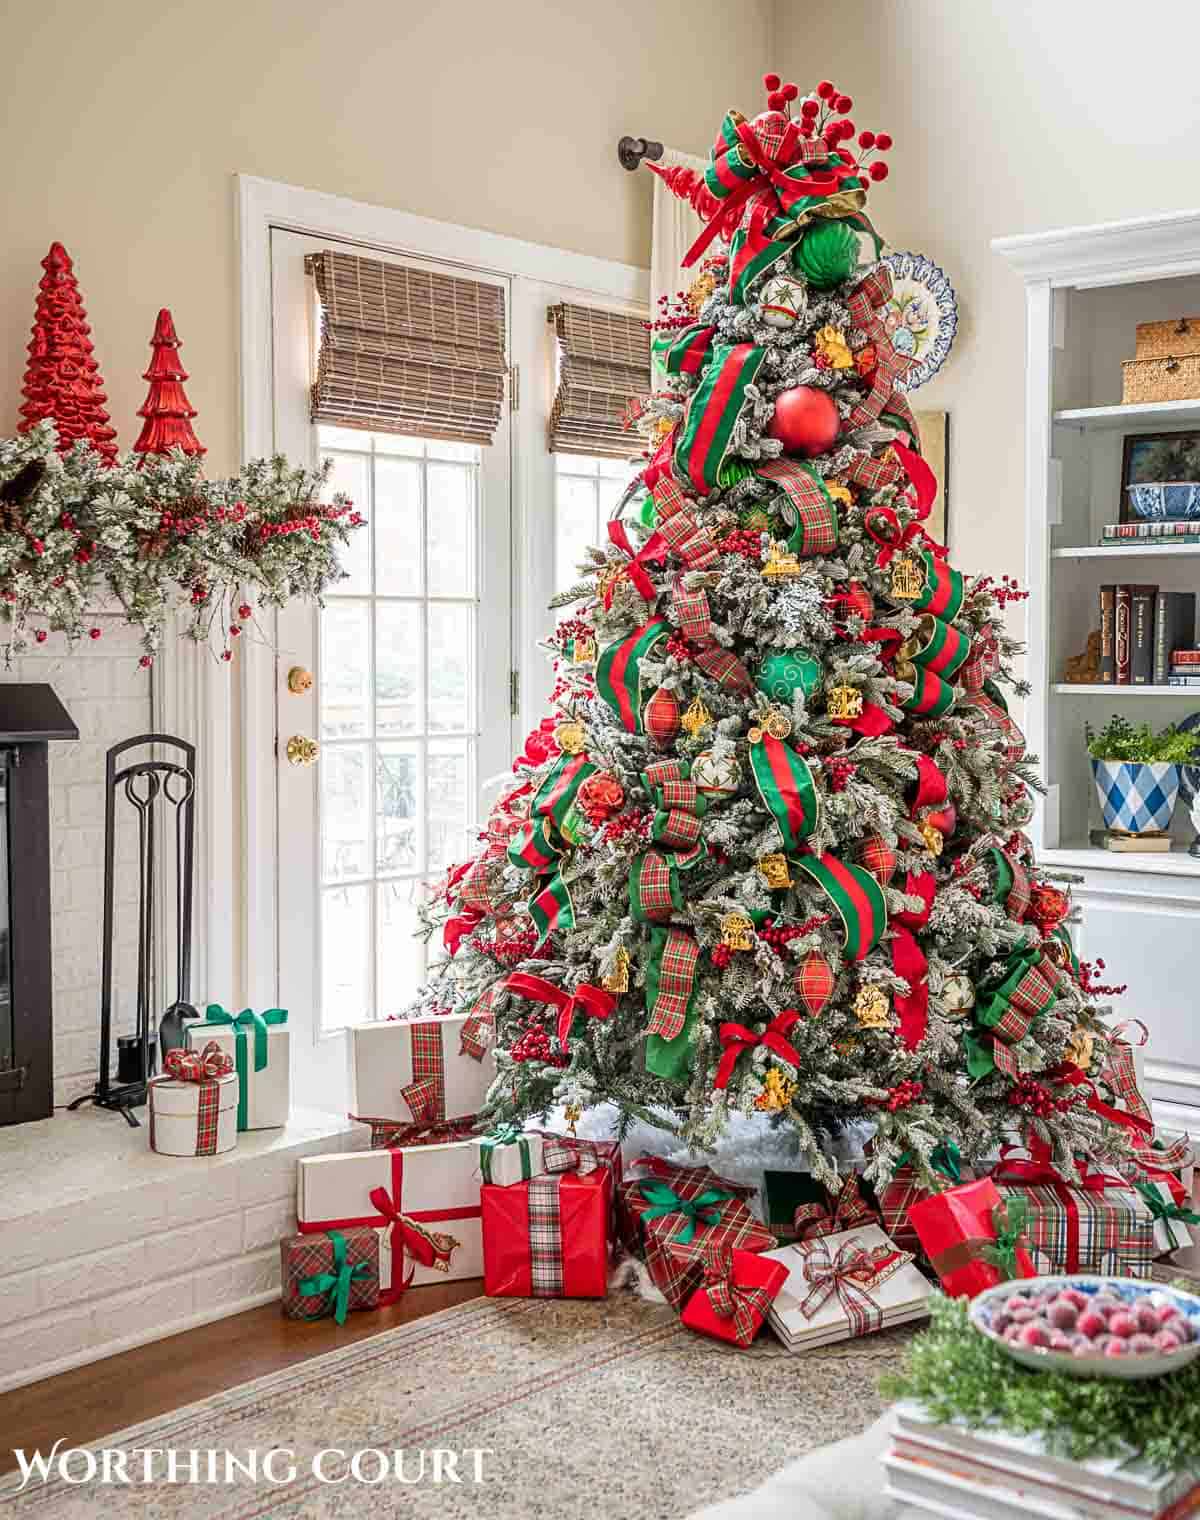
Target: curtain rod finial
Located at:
point(631, 151)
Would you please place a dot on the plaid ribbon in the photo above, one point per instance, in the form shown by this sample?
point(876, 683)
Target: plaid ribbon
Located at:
point(386, 1134)
point(846, 1273)
point(982, 663)
point(737, 1039)
point(850, 1209)
point(695, 623)
point(874, 473)
point(1120, 1075)
point(1013, 885)
point(561, 1154)
point(865, 304)
point(669, 500)
point(807, 507)
point(1030, 986)
point(670, 975)
point(746, 1307)
point(479, 1027)
point(426, 1093)
point(653, 890)
point(689, 542)
point(203, 1065)
point(1086, 1226)
point(545, 1237)
point(675, 828)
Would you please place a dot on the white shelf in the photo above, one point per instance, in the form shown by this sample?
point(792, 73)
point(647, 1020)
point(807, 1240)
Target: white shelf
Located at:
point(1090, 857)
point(1110, 689)
point(1138, 548)
point(1140, 414)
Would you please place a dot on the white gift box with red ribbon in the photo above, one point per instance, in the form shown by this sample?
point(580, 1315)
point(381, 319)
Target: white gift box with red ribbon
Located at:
point(423, 1199)
point(420, 1071)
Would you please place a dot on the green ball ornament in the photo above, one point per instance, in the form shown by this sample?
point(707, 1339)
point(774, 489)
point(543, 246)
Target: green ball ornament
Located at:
point(788, 671)
point(732, 471)
point(826, 255)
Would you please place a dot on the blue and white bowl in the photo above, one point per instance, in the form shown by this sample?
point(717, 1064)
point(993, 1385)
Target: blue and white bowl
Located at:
point(1165, 500)
point(1136, 797)
point(986, 1305)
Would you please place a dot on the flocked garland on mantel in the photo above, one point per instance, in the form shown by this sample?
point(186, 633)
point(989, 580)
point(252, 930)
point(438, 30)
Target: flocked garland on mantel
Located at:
point(151, 533)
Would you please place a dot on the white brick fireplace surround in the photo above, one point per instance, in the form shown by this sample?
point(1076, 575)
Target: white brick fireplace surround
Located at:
point(105, 1245)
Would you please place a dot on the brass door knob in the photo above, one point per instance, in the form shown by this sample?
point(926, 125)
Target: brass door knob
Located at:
point(301, 750)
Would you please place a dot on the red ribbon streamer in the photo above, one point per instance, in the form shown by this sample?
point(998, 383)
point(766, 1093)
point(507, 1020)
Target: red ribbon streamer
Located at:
point(908, 959)
point(593, 1001)
point(924, 481)
point(737, 1039)
point(651, 552)
point(1070, 1075)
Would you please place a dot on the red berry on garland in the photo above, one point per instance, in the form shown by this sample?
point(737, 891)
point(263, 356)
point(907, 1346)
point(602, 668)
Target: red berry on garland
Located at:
point(93, 633)
point(878, 171)
point(825, 89)
point(806, 421)
point(771, 81)
point(244, 611)
point(145, 662)
point(721, 955)
point(843, 104)
point(790, 92)
point(40, 635)
point(227, 654)
point(809, 108)
point(883, 141)
point(866, 139)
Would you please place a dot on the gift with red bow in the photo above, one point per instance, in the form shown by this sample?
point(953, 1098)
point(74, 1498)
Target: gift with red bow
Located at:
point(194, 1104)
point(908, 1184)
point(798, 1207)
point(973, 1238)
point(735, 1292)
point(551, 1235)
point(421, 1079)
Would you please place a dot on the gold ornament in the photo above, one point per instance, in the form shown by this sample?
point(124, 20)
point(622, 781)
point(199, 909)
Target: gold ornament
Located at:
point(839, 492)
point(780, 564)
point(299, 680)
point(572, 1113)
point(662, 426)
point(871, 1007)
point(584, 651)
point(302, 750)
point(695, 717)
point(844, 702)
point(737, 932)
point(617, 978)
point(774, 871)
point(934, 838)
point(571, 737)
point(833, 348)
point(908, 579)
point(958, 994)
point(700, 289)
point(607, 578)
point(1082, 1047)
point(777, 725)
point(777, 1092)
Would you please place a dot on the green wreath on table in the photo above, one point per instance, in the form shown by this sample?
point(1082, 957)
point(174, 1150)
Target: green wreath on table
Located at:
point(957, 1374)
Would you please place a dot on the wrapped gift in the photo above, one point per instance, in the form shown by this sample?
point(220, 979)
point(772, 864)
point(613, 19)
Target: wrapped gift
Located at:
point(260, 1046)
point(509, 1155)
point(675, 1203)
point(906, 1187)
point(420, 1074)
point(842, 1286)
point(1093, 1223)
point(1173, 1165)
point(193, 1105)
point(423, 1200)
point(735, 1293)
point(329, 1273)
point(972, 1237)
point(1171, 1216)
point(551, 1236)
point(798, 1207)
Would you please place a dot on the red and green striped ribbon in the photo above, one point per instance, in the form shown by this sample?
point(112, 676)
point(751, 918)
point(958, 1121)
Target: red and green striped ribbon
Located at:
point(653, 889)
point(943, 593)
point(535, 846)
point(728, 166)
point(713, 412)
point(944, 651)
point(752, 252)
point(931, 696)
point(683, 352)
point(551, 909)
point(808, 508)
point(617, 672)
point(785, 784)
point(857, 897)
point(557, 792)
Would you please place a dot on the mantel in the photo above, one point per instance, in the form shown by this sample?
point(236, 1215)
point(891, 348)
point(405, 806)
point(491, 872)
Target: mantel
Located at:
point(1108, 253)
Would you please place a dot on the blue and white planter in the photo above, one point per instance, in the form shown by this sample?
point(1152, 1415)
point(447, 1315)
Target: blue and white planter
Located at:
point(1136, 797)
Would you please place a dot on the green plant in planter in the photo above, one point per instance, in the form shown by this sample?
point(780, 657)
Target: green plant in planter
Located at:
point(1119, 740)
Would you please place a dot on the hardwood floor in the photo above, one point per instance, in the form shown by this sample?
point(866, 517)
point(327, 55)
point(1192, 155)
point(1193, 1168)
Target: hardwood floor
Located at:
point(89, 1402)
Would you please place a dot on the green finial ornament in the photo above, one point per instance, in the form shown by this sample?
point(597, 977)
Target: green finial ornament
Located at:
point(732, 471)
point(827, 254)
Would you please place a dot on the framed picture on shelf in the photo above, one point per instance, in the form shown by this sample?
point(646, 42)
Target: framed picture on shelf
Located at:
point(934, 428)
point(1151, 463)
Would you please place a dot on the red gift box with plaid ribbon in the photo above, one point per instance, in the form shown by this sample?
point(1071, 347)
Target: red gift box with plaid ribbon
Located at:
point(735, 1294)
point(675, 1204)
point(551, 1236)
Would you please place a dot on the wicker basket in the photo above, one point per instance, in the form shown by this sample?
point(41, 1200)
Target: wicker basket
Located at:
point(1173, 379)
point(1168, 340)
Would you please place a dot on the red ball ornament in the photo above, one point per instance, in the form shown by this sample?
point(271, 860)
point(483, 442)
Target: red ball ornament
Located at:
point(825, 89)
point(878, 858)
point(771, 81)
point(806, 421)
point(775, 100)
point(810, 108)
point(945, 820)
point(878, 171)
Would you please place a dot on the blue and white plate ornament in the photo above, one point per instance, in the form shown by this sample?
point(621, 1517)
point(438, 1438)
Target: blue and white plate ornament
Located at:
point(921, 317)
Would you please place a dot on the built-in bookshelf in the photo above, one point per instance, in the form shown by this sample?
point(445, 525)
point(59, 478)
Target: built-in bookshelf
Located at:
point(1086, 290)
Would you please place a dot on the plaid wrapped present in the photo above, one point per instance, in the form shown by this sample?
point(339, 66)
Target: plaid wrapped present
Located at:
point(799, 1208)
point(735, 1294)
point(895, 1197)
point(972, 1238)
point(1097, 1223)
point(682, 1204)
point(329, 1274)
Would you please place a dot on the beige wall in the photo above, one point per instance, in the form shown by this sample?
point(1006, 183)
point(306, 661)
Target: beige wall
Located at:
point(123, 123)
point(1009, 116)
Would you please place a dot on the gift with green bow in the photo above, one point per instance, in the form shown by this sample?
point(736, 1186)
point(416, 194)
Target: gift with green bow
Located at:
point(329, 1274)
point(261, 1050)
point(663, 1205)
point(509, 1154)
point(973, 1237)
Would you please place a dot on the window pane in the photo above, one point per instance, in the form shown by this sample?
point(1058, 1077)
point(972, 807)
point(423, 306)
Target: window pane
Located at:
point(575, 528)
point(398, 808)
point(400, 952)
point(451, 668)
point(345, 812)
point(345, 671)
point(397, 515)
point(351, 474)
point(398, 668)
point(576, 464)
point(447, 808)
point(345, 956)
point(618, 469)
point(610, 490)
point(451, 529)
point(330, 438)
point(399, 443)
point(468, 452)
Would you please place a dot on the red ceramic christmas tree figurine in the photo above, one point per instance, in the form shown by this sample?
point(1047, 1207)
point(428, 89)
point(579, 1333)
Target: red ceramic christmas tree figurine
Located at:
point(62, 378)
point(166, 410)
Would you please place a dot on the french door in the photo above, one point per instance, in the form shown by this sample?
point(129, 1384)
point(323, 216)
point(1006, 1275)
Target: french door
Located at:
point(409, 700)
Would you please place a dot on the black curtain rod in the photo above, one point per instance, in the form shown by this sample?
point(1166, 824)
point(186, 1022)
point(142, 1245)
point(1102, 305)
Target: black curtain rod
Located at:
point(631, 151)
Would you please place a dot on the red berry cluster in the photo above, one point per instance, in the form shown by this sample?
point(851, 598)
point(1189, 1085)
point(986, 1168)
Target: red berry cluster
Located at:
point(678, 647)
point(672, 314)
point(307, 524)
point(625, 826)
point(1028, 1093)
point(777, 936)
point(743, 541)
point(1006, 589)
point(569, 630)
point(1092, 988)
point(509, 951)
point(903, 1094)
point(720, 955)
point(534, 1044)
point(838, 772)
point(827, 116)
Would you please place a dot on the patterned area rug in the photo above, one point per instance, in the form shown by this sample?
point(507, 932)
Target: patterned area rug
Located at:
point(586, 1408)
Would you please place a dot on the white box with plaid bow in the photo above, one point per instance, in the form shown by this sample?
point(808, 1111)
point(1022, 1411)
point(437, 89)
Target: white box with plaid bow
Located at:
point(420, 1071)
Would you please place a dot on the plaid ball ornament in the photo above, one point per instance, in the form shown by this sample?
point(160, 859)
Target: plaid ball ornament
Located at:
point(877, 856)
point(814, 982)
point(661, 717)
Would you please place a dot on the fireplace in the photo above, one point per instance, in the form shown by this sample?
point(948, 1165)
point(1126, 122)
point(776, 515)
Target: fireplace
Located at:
point(30, 716)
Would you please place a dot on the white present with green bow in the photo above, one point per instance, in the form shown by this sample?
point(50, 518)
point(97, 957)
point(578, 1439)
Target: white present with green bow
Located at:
point(509, 1154)
point(260, 1046)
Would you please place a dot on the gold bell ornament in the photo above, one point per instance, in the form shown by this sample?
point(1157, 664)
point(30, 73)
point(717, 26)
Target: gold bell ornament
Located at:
point(737, 932)
point(844, 701)
point(1082, 1047)
point(616, 979)
point(774, 871)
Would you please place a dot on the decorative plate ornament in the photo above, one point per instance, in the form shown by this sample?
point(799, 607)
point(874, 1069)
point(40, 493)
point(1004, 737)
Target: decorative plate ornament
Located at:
point(922, 315)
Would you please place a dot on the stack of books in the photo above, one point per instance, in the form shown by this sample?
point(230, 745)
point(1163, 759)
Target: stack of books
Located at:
point(1134, 534)
point(988, 1474)
point(1146, 635)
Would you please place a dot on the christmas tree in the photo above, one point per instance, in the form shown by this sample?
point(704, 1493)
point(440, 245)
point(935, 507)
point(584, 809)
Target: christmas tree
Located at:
point(166, 409)
point(62, 378)
point(767, 857)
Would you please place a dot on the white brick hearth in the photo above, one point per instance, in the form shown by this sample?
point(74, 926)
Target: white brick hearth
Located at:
point(105, 1245)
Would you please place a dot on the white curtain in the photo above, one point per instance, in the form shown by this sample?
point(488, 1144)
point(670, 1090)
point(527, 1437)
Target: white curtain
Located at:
point(674, 229)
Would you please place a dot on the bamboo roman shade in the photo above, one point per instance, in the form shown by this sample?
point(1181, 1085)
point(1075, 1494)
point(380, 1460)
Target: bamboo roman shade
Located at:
point(603, 360)
point(407, 350)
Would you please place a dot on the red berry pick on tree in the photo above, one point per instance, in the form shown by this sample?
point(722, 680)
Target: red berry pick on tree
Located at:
point(167, 412)
point(62, 378)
